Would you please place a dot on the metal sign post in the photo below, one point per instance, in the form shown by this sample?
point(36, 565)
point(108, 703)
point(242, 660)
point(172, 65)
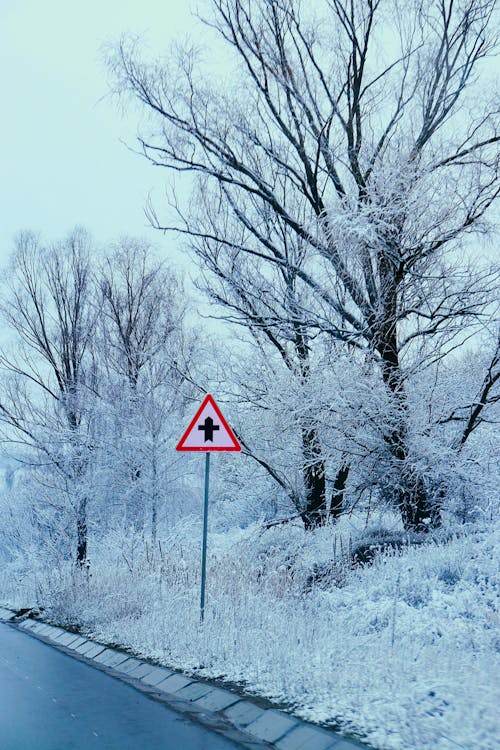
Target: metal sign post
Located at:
point(208, 431)
point(204, 546)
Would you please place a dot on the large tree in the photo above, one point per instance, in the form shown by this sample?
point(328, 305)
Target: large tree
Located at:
point(48, 373)
point(269, 302)
point(360, 131)
point(143, 347)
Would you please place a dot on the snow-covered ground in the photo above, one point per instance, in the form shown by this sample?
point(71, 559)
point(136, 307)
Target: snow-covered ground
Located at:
point(403, 653)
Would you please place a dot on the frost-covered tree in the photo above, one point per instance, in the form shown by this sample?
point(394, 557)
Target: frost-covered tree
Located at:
point(48, 372)
point(93, 380)
point(265, 302)
point(144, 349)
point(143, 305)
point(360, 130)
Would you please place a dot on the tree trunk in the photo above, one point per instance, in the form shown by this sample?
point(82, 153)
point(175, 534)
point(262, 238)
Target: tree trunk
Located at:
point(154, 497)
point(316, 508)
point(418, 512)
point(81, 532)
point(316, 511)
point(337, 502)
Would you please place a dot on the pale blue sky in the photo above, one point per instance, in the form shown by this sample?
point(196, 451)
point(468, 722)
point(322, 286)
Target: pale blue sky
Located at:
point(61, 158)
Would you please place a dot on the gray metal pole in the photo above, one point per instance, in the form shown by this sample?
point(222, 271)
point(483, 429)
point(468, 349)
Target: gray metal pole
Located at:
point(204, 548)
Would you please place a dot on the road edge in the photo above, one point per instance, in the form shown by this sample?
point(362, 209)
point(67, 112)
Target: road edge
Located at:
point(242, 718)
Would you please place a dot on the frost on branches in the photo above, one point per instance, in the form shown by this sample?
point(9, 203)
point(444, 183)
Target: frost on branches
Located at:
point(339, 180)
point(335, 182)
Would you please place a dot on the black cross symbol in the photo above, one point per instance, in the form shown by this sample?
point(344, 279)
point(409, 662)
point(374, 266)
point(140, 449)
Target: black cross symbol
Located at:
point(208, 428)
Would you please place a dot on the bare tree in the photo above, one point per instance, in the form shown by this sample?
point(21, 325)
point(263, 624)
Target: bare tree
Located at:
point(48, 373)
point(363, 135)
point(470, 416)
point(270, 306)
point(143, 308)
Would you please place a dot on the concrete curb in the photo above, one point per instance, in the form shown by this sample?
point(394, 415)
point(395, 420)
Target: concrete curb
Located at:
point(256, 726)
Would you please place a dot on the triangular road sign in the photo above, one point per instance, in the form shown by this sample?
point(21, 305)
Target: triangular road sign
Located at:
point(208, 431)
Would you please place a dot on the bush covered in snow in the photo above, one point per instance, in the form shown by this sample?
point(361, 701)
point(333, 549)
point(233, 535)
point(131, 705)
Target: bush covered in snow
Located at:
point(402, 652)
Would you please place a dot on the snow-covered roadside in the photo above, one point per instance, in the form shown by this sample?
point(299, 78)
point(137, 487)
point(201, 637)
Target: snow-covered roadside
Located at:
point(403, 653)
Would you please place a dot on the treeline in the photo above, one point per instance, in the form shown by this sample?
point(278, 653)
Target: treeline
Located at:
point(93, 372)
point(338, 195)
point(338, 180)
point(100, 374)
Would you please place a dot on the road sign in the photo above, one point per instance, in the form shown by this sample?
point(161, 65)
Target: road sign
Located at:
point(208, 431)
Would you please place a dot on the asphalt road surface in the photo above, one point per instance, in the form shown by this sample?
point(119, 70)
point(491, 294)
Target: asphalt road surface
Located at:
point(50, 701)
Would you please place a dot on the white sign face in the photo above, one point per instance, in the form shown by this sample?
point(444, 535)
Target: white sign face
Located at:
point(208, 431)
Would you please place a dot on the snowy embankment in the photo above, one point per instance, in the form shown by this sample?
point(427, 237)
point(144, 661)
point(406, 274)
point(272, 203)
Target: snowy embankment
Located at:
point(403, 653)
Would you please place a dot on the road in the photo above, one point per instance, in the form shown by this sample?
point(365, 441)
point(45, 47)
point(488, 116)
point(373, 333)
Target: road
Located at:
point(51, 701)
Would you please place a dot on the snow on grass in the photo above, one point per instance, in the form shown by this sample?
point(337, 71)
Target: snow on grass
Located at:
point(403, 653)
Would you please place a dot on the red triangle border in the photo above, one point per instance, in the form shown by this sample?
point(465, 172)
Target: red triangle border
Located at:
point(202, 449)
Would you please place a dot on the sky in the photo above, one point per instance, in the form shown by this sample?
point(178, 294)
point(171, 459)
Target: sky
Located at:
point(62, 153)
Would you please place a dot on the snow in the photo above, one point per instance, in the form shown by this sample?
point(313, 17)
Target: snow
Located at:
point(402, 653)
